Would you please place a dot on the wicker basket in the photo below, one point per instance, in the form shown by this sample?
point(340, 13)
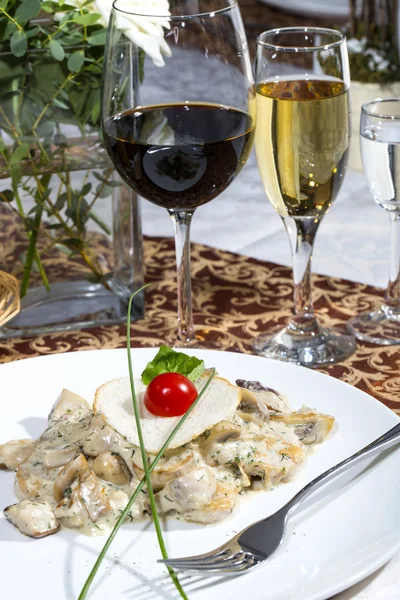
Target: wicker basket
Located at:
point(9, 297)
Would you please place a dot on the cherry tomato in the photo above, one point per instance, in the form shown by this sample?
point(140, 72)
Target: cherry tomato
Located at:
point(169, 395)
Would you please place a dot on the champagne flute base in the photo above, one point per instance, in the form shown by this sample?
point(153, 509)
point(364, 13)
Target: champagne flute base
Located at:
point(380, 327)
point(182, 344)
point(325, 347)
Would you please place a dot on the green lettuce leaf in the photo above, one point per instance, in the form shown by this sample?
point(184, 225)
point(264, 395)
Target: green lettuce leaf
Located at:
point(170, 361)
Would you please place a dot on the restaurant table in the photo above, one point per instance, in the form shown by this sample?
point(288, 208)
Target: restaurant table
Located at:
point(242, 287)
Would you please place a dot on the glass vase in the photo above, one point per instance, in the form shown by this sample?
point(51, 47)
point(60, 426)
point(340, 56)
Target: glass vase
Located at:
point(70, 230)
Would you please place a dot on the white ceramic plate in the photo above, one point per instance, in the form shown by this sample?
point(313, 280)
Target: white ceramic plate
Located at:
point(345, 536)
point(315, 8)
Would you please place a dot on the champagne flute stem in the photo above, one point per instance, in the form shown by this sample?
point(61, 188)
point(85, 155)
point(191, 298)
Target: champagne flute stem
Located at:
point(302, 235)
point(393, 291)
point(182, 220)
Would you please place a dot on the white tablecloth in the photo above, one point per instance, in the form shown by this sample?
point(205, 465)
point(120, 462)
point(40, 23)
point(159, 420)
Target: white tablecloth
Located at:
point(352, 243)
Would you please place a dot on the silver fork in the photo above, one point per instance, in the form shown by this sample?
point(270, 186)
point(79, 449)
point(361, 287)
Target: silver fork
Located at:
point(258, 542)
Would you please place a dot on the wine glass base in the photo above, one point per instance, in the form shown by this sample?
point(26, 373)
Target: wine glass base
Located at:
point(378, 327)
point(326, 347)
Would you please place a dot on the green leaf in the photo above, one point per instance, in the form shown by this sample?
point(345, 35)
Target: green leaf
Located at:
point(64, 94)
point(61, 201)
point(60, 104)
point(57, 50)
point(78, 210)
point(2, 145)
point(32, 32)
point(95, 105)
point(98, 38)
point(168, 360)
point(63, 249)
point(95, 114)
point(75, 244)
point(19, 43)
point(76, 61)
point(86, 189)
point(89, 19)
point(19, 154)
point(3, 4)
point(104, 191)
point(48, 7)
point(108, 181)
point(7, 28)
point(27, 10)
point(6, 196)
point(16, 174)
point(83, 4)
point(45, 128)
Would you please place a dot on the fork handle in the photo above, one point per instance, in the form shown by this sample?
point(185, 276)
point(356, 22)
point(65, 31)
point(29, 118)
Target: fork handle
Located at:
point(385, 441)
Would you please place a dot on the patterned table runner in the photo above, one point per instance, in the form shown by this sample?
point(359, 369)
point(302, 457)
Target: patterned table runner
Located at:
point(235, 299)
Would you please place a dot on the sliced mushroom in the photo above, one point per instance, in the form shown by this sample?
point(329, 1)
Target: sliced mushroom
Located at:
point(93, 495)
point(221, 433)
point(189, 492)
point(221, 505)
point(33, 482)
point(83, 499)
point(240, 475)
point(118, 501)
point(58, 457)
point(272, 399)
point(310, 427)
point(67, 403)
point(251, 409)
point(77, 468)
point(169, 468)
point(112, 468)
point(16, 452)
point(35, 519)
point(278, 462)
point(101, 437)
point(265, 476)
point(71, 511)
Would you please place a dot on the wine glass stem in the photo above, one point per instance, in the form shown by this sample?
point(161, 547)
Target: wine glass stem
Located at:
point(182, 220)
point(393, 291)
point(302, 235)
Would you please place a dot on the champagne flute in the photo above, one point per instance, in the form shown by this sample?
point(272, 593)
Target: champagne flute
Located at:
point(179, 129)
point(380, 153)
point(302, 141)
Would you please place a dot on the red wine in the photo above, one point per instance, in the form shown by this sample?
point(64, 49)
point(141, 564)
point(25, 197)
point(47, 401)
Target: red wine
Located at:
point(179, 156)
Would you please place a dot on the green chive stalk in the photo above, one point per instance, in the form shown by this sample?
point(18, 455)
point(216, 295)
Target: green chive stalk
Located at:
point(148, 470)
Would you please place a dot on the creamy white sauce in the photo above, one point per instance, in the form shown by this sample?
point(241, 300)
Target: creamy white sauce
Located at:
point(201, 480)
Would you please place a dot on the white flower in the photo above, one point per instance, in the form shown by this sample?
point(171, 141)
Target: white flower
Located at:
point(356, 46)
point(142, 28)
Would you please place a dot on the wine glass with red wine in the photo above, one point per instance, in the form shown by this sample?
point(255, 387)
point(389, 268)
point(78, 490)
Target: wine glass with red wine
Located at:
point(179, 126)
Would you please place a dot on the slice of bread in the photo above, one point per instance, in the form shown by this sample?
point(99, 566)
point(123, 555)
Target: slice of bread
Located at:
point(113, 401)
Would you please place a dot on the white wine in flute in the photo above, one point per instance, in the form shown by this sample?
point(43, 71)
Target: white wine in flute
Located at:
point(302, 140)
point(380, 151)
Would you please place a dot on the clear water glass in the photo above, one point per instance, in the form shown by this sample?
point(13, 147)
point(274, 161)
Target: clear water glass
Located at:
point(380, 153)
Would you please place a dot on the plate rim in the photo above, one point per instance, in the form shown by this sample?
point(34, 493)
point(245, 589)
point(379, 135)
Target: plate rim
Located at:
point(286, 365)
point(341, 586)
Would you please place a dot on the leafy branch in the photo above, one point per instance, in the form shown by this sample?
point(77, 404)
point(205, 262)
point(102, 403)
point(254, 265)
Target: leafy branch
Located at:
point(50, 76)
